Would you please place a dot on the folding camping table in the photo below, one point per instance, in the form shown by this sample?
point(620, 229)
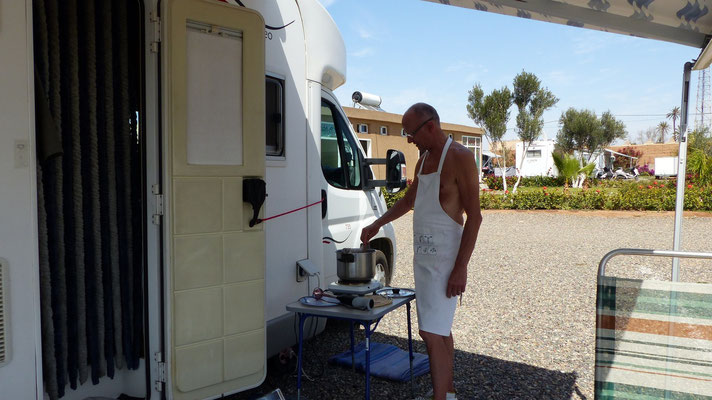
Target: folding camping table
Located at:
point(365, 318)
point(653, 338)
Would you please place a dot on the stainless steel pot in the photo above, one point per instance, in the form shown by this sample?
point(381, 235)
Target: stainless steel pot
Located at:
point(355, 264)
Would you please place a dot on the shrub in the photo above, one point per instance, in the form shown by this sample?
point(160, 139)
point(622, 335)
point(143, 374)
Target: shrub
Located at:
point(391, 198)
point(495, 182)
point(645, 170)
point(540, 181)
point(656, 196)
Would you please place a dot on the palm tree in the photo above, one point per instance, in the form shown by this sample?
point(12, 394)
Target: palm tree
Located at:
point(663, 128)
point(570, 168)
point(674, 114)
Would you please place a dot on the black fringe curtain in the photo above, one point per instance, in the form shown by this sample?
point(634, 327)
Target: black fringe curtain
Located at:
point(90, 188)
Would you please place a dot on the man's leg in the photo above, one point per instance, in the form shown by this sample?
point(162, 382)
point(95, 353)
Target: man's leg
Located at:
point(450, 345)
point(440, 358)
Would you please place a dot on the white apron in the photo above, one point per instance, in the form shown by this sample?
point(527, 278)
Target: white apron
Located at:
point(436, 241)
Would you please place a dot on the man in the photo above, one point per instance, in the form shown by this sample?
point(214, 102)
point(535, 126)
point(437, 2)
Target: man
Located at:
point(445, 186)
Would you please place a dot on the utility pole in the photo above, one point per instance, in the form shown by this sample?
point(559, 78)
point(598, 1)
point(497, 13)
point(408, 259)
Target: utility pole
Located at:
point(704, 100)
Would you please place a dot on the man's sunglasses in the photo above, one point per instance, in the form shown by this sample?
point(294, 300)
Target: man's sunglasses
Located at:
point(418, 128)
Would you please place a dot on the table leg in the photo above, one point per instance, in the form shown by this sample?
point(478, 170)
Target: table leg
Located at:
point(302, 318)
point(353, 362)
point(367, 327)
point(410, 352)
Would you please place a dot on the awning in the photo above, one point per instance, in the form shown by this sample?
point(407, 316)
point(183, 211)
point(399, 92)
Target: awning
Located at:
point(620, 154)
point(678, 21)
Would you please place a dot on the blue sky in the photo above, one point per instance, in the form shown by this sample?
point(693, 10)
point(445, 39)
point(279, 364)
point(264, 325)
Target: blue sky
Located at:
point(408, 51)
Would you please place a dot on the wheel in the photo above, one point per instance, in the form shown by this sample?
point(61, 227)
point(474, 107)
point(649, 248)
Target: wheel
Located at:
point(383, 270)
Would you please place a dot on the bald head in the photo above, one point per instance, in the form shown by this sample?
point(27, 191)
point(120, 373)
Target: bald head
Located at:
point(424, 111)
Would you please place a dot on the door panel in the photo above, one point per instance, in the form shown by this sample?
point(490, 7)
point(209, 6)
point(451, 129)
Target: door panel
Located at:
point(214, 105)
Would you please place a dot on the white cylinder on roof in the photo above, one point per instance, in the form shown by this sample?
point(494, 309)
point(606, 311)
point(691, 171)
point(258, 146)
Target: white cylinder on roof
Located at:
point(366, 99)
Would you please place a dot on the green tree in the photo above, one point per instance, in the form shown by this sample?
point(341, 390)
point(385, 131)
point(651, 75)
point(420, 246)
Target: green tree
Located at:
point(699, 161)
point(491, 112)
point(583, 132)
point(531, 100)
point(700, 139)
point(577, 128)
point(674, 114)
point(663, 129)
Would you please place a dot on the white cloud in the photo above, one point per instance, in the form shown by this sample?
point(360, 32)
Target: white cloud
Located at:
point(587, 43)
point(560, 77)
point(364, 33)
point(459, 66)
point(366, 51)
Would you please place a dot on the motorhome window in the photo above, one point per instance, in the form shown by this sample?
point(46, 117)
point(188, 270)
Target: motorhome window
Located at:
point(362, 128)
point(274, 110)
point(534, 153)
point(384, 130)
point(340, 161)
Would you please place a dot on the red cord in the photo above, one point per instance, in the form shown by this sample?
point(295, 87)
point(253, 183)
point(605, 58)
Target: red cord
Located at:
point(289, 212)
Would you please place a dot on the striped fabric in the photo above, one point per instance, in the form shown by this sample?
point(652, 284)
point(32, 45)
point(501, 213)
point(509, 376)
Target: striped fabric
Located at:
point(653, 340)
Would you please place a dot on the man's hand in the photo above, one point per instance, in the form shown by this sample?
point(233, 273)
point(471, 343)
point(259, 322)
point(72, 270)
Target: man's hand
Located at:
point(457, 282)
point(368, 232)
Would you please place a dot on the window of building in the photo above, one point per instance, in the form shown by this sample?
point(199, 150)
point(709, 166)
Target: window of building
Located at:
point(533, 153)
point(366, 146)
point(474, 144)
point(403, 132)
point(384, 130)
point(274, 111)
point(362, 128)
point(450, 135)
point(340, 160)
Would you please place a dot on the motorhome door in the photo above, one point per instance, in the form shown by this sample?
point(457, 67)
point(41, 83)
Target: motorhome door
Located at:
point(213, 102)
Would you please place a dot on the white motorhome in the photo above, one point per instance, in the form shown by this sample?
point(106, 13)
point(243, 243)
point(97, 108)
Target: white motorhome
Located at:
point(136, 136)
point(538, 161)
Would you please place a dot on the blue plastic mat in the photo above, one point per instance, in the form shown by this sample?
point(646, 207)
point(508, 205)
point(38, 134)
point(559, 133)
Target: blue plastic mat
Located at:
point(387, 361)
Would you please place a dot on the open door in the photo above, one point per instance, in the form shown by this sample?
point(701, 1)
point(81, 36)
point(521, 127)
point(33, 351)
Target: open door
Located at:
point(213, 100)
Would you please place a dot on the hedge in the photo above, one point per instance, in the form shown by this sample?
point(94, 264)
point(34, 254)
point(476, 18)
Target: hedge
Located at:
point(495, 182)
point(639, 196)
point(632, 197)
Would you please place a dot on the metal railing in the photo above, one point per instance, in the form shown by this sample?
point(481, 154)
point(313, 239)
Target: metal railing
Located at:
point(650, 253)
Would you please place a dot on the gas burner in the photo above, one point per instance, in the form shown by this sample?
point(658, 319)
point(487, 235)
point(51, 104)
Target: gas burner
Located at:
point(351, 283)
point(351, 287)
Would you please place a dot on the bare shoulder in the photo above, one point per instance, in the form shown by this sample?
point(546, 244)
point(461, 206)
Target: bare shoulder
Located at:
point(461, 155)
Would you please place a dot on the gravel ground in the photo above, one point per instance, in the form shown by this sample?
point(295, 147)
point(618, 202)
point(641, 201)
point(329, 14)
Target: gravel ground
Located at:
point(525, 329)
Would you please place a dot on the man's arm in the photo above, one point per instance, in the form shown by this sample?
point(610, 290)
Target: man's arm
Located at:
point(401, 207)
point(468, 187)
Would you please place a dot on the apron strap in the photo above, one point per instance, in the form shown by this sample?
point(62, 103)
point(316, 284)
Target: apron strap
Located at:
point(442, 157)
point(420, 171)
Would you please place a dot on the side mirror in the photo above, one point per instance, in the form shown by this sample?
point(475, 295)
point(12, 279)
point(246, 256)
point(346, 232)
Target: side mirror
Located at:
point(396, 178)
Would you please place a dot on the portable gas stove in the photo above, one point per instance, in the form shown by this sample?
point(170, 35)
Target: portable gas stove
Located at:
point(357, 288)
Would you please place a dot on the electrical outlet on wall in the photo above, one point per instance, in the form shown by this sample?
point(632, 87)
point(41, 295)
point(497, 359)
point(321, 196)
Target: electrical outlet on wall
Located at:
point(22, 154)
